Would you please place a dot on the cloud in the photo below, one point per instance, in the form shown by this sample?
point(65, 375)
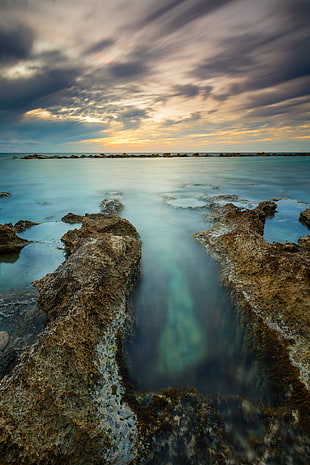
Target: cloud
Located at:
point(127, 70)
point(178, 13)
point(22, 94)
point(99, 46)
point(190, 119)
point(132, 117)
point(16, 41)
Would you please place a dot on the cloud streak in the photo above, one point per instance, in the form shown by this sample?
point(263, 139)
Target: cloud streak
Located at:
point(169, 69)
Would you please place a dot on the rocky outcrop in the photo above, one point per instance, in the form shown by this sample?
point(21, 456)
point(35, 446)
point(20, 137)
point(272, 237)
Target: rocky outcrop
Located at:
point(10, 243)
point(64, 402)
point(22, 225)
point(70, 399)
point(72, 218)
point(271, 280)
point(304, 217)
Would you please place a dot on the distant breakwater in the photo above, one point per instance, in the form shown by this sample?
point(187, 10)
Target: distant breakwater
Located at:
point(164, 155)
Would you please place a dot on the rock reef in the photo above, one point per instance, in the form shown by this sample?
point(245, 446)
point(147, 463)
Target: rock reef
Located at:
point(304, 217)
point(270, 280)
point(63, 403)
point(70, 399)
point(10, 242)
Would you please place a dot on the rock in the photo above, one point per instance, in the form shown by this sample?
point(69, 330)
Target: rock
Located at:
point(9, 242)
point(100, 224)
point(72, 218)
point(271, 280)
point(111, 206)
point(69, 400)
point(4, 339)
point(21, 225)
point(5, 194)
point(304, 217)
point(65, 401)
point(34, 156)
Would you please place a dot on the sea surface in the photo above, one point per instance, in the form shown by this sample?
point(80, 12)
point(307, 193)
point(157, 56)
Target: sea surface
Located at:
point(187, 330)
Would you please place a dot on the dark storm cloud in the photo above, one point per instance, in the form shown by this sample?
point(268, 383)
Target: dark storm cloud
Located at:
point(99, 46)
point(51, 130)
point(24, 94)
point(15, 41)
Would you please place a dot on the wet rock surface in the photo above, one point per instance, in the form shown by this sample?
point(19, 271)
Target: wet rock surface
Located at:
point(22, 225)
point(111, 206)
point(70, 400)
point(63, 403)
point(72, 218)
point(271, 280)
point(305, 217)
point(22, 320)
point(10, 243)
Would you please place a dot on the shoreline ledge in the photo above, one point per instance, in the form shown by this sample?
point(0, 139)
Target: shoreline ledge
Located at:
point(268, 280)
point(70, 399)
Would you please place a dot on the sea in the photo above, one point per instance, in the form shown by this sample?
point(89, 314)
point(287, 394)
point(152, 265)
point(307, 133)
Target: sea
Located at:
point(187, 330)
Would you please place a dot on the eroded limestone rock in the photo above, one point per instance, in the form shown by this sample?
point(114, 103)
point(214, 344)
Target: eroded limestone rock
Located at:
point(64, 402)
point(305, 217)
point(10, 243)
point(273, 280)
point(109, 206)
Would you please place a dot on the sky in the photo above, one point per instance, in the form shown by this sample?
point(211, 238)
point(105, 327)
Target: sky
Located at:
point(154, 75)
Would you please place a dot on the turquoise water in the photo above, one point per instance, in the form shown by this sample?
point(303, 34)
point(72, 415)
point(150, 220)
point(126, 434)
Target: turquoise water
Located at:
point(187, 330)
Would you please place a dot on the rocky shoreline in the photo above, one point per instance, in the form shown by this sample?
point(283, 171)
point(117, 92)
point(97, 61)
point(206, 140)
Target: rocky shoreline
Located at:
point(271, 281)
point(70, 399)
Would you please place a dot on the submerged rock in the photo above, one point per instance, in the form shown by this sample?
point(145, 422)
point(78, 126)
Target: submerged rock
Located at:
point(10, 243)
point(271, 280)
point(305, 217)
point(111, 206)
point(4, 339)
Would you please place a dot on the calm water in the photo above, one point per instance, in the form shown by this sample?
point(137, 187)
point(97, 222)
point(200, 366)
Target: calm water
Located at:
point(187, 331)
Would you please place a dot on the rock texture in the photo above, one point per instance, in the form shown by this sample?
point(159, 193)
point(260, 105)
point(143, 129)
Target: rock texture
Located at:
point(64, 402)
point(22, 225)
point(72, 218)
point(305, 217)
point(272, 280)
point(9, 241)
point(110, 206)
point(70, 400)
